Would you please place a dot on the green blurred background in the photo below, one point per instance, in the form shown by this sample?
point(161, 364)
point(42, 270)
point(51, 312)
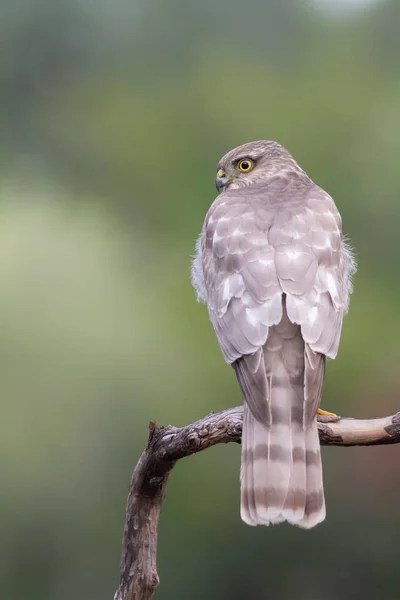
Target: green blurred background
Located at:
point(113, 118)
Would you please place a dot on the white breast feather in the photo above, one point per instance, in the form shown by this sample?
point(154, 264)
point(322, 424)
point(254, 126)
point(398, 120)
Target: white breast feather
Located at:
point(350, 267)
point(198, 275)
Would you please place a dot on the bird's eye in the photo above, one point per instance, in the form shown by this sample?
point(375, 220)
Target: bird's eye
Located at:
point(245, 165)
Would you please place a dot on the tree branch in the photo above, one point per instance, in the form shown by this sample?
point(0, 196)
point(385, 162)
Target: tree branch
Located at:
point(166, 445)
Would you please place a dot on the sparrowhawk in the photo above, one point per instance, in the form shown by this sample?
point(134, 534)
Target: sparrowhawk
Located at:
point(275, 272)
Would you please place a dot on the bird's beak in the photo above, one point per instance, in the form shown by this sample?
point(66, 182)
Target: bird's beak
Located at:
point(221, 180)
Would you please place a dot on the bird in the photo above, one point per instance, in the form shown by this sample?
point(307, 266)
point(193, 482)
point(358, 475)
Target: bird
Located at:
point(275, 271)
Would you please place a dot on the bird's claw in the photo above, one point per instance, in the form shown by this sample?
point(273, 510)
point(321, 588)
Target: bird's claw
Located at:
point(327, 417)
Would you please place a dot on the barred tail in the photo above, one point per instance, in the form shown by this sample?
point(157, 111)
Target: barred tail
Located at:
point(281, 469)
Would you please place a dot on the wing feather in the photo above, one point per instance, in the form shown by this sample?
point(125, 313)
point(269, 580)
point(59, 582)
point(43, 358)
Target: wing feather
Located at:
point(259, 252)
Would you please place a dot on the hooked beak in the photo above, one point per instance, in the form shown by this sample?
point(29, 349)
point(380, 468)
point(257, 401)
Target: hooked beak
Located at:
point(221, 180)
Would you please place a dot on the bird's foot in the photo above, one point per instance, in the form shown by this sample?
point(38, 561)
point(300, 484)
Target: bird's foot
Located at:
point(327, 417)
point(325, 413)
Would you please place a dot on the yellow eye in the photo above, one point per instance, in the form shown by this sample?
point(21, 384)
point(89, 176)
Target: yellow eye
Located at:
point(245, 165)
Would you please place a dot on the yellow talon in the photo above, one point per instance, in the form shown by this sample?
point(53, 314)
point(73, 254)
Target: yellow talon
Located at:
point(325, 413)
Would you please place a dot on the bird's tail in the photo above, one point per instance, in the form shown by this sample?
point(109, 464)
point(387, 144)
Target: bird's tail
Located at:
point(281, 469)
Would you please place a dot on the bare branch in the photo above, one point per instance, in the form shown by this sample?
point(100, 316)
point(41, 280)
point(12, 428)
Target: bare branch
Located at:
point(166, 445)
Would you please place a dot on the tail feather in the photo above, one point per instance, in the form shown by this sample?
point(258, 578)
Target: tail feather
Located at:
point(248, 506)
point(281, 469)
point(276, 487)
point(276, 476)
point(315, 511)
point(295, 504)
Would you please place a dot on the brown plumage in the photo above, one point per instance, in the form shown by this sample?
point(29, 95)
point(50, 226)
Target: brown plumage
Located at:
point(273, 268)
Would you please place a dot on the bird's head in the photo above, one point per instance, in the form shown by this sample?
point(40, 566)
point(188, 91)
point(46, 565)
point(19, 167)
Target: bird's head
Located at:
point(252, 163)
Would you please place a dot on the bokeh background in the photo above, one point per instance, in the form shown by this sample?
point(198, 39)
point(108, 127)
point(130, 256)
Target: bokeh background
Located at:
point(113, 116)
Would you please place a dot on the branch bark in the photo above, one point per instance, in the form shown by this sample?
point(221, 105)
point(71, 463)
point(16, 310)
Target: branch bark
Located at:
point(166, 445)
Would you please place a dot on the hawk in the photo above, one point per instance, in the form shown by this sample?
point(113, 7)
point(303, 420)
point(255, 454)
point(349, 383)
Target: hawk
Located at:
point(275, 272)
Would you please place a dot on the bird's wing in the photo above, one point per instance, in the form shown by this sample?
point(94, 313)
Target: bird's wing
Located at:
point(310, 261)
point(255, 253)
point(244, 296)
